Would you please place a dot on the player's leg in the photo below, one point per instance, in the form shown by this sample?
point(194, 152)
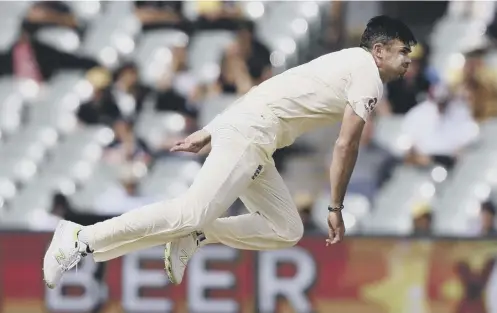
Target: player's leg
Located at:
point(224, 176)
point(273, 223)
point(248, 231)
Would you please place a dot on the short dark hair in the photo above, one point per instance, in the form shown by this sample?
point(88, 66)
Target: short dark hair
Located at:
point(129, 65)
point(247, 25)
point(476, 53)
point(489, 207)
point(59, 199)
point(383, 29)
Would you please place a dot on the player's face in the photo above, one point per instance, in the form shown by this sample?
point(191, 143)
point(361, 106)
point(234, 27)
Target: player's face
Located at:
point(396, 59)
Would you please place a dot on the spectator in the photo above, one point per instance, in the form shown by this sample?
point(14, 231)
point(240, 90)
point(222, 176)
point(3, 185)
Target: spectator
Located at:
point(126, 147)
point(178, 90)
point(440, 128)
point(255, 54)
point(127, 93)
point(478, 84)
point(331, 39)
point(218, 14)
point(101, 107)
point(304, 202)
point(161, 14)
point(123, 197)
point(234, 77)
point(422, 218)
point(487, 219)
point(51, 13)
point(30, 59)
point(403, 94)
point(63, 209)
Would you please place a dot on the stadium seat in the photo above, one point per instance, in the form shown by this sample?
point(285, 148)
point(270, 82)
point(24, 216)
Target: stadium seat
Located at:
point(357, 206)
point(11, 106)
point(30, 208)
point(454, 35)
point(487, 134)
point(38, 193)
point(111, 35)
point(153, 55)
point(8, 191)
point(170, 177)
point(156, 128)
point(10, 20)
point(102, 177)
point(85, 11)
point(286, 19)
point(393, 203)
point(469, 185)
point(60, 38)
point(59, 104)
point(43, 149)
point(213, 106)
point(205, 53)
point(388, 134)
point(77, 156)
point(18, 170)
point(32, 150)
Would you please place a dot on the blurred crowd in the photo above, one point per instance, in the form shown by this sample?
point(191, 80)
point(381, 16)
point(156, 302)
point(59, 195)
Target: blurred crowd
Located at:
point(447, 105)
point(440, 116)
point(439, 111)
point(119, 95)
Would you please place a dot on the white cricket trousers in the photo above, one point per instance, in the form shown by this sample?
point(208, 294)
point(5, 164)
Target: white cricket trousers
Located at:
point(239, 166)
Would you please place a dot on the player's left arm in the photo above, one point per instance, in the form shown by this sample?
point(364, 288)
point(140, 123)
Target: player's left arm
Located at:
point(344, 158)
point(345, 155)
point(363, 95)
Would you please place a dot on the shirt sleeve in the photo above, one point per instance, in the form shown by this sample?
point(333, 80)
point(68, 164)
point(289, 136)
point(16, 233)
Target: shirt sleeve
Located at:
point(212, 126)
point(364, 93)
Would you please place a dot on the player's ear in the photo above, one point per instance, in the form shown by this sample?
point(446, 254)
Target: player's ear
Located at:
point(378, 49)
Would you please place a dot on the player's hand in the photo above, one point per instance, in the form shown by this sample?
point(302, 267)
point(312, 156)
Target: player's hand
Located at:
point(193, 143)
point(336, 230)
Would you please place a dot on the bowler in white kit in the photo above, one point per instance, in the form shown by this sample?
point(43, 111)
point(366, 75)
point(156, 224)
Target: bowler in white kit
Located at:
point(340, 87)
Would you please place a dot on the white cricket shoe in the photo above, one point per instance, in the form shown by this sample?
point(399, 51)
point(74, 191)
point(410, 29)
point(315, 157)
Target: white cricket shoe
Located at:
point(177, 254)
point(64, 252)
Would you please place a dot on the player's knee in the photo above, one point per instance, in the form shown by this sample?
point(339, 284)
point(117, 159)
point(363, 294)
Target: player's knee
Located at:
point(195, 223)
point(298, 233)
point(192, 217)
point(294, 234)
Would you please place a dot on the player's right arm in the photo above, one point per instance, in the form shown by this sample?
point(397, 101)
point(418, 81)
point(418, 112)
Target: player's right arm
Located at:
point(198, 142)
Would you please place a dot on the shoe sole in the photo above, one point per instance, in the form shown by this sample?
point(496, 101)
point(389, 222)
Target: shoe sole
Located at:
point(168, 263)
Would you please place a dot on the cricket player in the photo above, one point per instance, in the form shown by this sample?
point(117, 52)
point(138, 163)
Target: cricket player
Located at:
point(341, 87)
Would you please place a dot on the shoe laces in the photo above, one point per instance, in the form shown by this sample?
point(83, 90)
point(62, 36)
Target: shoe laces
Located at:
point(75, 256)
point(198, 237)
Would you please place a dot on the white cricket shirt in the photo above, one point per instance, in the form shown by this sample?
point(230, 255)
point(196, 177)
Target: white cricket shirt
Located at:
point(315, 94)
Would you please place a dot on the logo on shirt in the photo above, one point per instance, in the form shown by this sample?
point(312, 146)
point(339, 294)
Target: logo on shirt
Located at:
point(257, 172)
point(371, 104)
